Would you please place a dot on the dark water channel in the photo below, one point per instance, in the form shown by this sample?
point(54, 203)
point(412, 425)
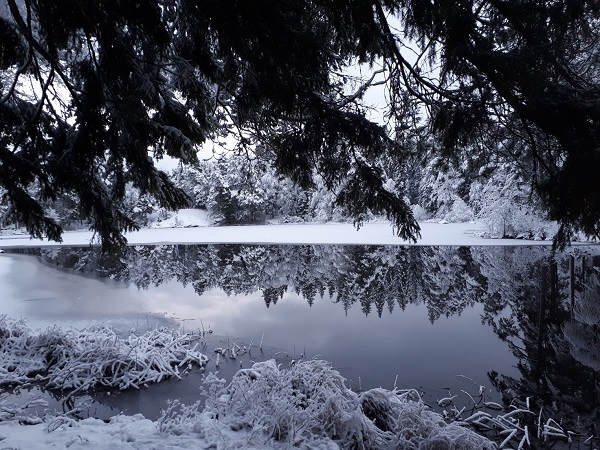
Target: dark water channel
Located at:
point(518, 320)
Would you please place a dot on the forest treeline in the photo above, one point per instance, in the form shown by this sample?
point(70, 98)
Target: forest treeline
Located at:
point(237, 189)
point(240, 189)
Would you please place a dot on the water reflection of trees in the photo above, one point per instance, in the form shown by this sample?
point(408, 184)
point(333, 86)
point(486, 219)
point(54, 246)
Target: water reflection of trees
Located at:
point(546, 308)
point(375, 278)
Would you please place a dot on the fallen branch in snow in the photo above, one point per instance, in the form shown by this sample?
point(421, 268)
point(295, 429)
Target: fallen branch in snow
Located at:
point(92, 357)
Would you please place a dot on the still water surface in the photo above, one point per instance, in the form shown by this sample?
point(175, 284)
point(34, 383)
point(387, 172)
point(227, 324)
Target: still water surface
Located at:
point(513, 319)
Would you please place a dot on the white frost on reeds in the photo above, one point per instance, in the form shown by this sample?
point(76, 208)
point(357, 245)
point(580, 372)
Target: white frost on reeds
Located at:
point(93, 357)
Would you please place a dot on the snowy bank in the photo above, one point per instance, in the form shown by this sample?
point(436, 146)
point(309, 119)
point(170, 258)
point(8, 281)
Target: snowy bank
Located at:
point(434, 234)
point(305, 406)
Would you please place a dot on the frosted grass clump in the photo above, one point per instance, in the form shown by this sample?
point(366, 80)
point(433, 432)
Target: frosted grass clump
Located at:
point(92, 357)
point(309, 406)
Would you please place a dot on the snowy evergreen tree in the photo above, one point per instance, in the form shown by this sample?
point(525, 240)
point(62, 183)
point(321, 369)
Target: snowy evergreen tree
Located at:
point(92, 91)
point(233, 189)
point(440, 193)
point(506, 204)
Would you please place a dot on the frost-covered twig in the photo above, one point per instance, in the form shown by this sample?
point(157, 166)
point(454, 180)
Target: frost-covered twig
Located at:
point(511, 428)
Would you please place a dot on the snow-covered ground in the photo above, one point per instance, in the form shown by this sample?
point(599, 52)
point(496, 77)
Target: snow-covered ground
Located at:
point(182, 219)
point(194, 226)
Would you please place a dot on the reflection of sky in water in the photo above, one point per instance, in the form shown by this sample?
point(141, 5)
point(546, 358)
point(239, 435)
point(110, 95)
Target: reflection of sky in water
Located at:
point(45, 296)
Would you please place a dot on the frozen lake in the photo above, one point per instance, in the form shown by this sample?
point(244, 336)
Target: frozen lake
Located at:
point(431, 318)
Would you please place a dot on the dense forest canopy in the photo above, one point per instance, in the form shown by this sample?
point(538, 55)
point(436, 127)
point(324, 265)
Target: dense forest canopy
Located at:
point(92, 93)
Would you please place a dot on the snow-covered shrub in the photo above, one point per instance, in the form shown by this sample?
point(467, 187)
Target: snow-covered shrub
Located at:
point(411, 425)
point(138, 206)
point(292, 405)
point(419, 213)
point(234, 189)
point(309, 406)
point(95, 356)
point(458, 211)
point(322, 207)
point(440, 192)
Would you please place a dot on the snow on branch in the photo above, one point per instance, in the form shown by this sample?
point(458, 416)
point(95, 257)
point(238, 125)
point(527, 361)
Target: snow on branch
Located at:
point(92, 357)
